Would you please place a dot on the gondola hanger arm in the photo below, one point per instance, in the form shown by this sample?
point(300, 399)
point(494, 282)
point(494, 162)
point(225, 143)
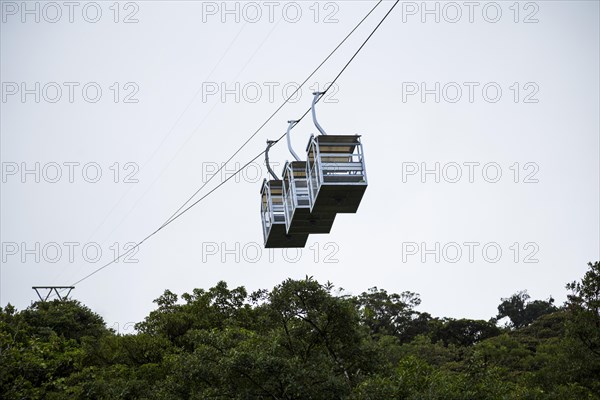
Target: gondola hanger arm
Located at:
point(291, 124)
point(317, 96)
point(270, 144)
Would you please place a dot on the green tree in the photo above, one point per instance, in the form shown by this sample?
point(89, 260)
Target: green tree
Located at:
point(583, 327)
point(392, 314)
point(584, 308)
point(523, 312)
point(68, 318)
point(300, 340)
point(463, 332)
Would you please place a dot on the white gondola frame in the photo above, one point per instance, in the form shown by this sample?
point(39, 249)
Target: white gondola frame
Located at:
point(334, 168)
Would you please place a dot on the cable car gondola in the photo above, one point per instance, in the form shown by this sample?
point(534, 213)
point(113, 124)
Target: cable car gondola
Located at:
point(273, 215)
point(296, 201)
point(335, 169)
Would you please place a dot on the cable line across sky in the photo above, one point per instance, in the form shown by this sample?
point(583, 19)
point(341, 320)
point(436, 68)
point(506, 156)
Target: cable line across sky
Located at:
point(183, 209)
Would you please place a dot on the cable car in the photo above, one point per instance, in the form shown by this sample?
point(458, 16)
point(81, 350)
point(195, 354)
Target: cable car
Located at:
point(273, 215)
point(296, 201)
point(335, 170)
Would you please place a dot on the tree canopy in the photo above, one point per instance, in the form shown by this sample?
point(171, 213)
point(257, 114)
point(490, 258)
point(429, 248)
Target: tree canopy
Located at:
point(305, 340)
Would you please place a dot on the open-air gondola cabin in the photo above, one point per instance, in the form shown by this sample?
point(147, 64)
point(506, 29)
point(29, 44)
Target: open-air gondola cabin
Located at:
point(337, 178)
point(273, 218)
point(296, 203)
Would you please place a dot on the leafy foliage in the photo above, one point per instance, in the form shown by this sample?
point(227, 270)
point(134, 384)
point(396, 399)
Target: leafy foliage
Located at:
point(301, 340)
point(523, 312)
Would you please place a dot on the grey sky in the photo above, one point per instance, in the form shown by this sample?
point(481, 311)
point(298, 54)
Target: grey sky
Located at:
point(178, 54)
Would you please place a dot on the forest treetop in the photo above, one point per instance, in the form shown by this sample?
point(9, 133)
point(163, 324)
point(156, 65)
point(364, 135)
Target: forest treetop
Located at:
point(304, 340)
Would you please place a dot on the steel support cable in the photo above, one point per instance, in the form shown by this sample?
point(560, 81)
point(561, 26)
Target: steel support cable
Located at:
point(274, 113)
point(179, 213)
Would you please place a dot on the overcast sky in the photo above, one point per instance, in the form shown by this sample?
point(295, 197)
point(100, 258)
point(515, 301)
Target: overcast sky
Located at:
point(479, 121)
